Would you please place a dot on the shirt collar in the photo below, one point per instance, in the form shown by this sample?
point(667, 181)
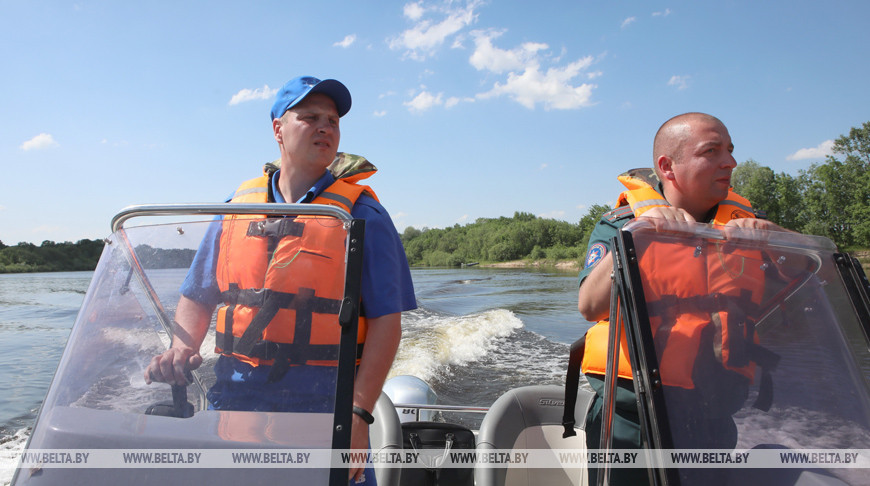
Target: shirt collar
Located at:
point(325, 181)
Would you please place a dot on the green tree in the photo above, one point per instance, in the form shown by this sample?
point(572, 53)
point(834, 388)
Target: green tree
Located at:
point(50, 256)
point(856, 144)
point(825, 198)
point(836, 194)
point(790, 203)
point(588, 222)
point(856, 148)
point(493, 239)
point(757, 183)
point(410, 233)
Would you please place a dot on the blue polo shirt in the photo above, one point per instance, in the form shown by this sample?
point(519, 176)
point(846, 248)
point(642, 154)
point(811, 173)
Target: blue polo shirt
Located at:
point(386, 281)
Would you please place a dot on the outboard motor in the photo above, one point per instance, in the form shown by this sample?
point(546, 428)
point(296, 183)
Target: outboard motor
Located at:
point(407, 389)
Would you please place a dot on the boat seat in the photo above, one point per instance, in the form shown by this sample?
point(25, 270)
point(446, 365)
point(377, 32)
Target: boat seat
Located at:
point(385, 434)
point(531, 418)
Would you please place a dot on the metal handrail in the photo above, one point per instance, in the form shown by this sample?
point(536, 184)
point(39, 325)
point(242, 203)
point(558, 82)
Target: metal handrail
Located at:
point(267, 209)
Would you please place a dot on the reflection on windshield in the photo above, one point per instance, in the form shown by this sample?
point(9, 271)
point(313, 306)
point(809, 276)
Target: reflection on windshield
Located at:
point(99, 396)
point(755, 340)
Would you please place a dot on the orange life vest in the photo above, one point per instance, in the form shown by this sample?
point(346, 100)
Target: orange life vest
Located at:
point(282, 280)
point(642, 197)
point(694, 288)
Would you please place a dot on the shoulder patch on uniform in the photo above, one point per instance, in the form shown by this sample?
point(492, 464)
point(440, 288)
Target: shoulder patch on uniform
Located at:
point(617, 214)
point(596, 252)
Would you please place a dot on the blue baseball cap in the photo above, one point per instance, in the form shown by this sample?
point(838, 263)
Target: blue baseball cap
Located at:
point(298, 88)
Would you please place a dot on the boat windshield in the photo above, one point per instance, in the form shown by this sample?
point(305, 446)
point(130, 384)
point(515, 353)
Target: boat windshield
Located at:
point(745, 340)
point(294, 268)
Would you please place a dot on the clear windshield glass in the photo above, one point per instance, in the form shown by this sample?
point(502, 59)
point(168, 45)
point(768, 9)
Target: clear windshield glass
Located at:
point(755, 341)
point(266, 381)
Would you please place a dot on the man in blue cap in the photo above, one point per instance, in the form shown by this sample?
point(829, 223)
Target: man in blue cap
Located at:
point(305, 123)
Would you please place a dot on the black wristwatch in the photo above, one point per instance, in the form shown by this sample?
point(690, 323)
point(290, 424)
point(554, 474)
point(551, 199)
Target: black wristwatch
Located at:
point(363, 414)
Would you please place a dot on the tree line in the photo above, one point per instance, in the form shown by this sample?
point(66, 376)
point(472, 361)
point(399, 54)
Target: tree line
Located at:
point(829, 199)
point(82, 255)
point(50, 256)
point(498, 240)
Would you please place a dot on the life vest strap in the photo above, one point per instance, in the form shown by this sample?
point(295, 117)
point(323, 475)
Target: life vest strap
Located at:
point(572, 383)
point(268, 303)
point(283, 300)
point(275, 228)
point(708, 304)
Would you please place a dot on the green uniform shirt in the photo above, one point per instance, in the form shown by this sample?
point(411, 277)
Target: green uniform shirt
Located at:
point(599, 241)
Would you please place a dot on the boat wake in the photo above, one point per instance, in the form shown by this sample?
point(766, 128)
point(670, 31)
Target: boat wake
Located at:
point(433, 345)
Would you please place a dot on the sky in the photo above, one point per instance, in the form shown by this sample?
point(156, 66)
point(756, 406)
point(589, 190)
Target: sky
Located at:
point(470, 109)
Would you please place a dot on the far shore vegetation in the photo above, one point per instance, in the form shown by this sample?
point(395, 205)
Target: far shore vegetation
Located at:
point(830, 199)
point(50, 256)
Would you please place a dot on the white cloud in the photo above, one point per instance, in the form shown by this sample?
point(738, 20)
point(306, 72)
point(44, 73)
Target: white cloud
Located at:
point(823, 150)
point(120, 143)
point(421, 40)
point(543, 166)
point(628, 21)
point(552, 88)
point(346, 42)
point(414, 11)
point(380, 113)
point(526, 83)
point(557, 214)
point(39, 142)
point(491, 58)
point(529, 73)
point(424, 101)
point(244, 95)
point(681, 82)
point(663, 13)
point(462, 218)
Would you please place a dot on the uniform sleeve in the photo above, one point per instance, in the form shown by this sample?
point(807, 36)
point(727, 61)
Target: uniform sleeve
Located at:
point(599, 241)
point(386, 282)
point(200, 284)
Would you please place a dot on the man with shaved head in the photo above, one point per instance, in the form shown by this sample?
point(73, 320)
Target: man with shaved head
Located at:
point(689, 182)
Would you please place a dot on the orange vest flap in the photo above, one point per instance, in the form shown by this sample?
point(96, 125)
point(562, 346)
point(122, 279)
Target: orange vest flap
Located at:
point(343, 194)
point(252, 190)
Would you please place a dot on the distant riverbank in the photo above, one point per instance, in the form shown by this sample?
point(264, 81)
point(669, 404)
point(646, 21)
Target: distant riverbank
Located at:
point(561, 265)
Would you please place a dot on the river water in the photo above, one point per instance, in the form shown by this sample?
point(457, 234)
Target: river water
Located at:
point(477, 333)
